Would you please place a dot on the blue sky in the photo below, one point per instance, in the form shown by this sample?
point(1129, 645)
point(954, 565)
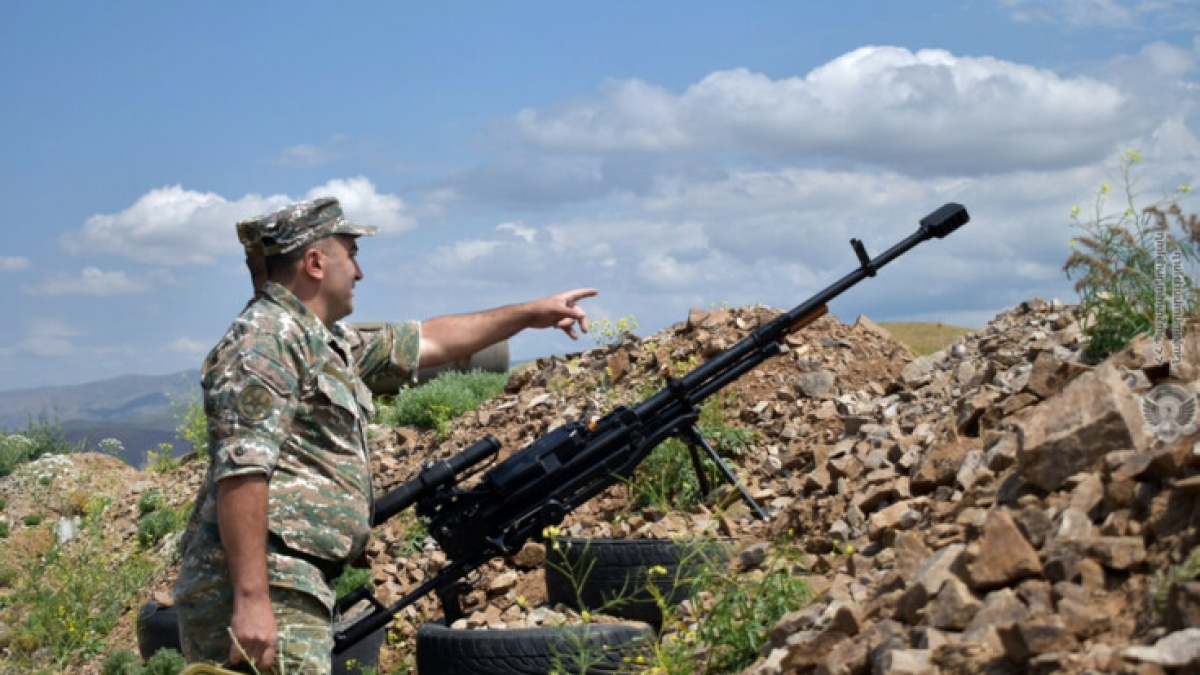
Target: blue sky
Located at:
point(671, 154)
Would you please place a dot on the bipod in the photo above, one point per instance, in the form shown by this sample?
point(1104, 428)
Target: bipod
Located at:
point(695, 440)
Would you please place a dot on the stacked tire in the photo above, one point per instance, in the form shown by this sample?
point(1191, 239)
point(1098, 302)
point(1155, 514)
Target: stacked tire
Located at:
point(617, 569)
point(594, 649)
point(616, 574)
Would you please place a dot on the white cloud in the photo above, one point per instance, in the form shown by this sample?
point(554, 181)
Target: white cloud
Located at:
point(170, 226)
point(309, 155)
point(361, 202)
point(189, 347)
point(49, 337)
point(748, 193)
point(13, 264)
point(97, 282)
point(887, 106)
point(662, 271)
point(175, 226)
point(518, 230)
point(457, 255)
point(1072, 12)
point(1123, 14)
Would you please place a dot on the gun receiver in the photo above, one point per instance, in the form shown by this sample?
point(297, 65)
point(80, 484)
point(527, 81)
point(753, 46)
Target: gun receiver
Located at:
point(515, 500)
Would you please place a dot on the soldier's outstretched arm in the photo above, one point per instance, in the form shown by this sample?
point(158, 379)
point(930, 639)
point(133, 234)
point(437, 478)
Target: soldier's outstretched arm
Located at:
point(447, 338)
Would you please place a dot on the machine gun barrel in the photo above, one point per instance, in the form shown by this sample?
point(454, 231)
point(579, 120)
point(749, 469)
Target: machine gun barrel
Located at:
point(763, 343)
point(436, 475)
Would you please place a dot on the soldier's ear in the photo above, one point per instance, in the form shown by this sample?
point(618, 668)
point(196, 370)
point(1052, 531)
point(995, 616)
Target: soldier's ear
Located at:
point(313, 262)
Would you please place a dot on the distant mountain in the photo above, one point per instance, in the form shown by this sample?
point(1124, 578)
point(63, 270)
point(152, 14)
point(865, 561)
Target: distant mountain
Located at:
point(134, 409)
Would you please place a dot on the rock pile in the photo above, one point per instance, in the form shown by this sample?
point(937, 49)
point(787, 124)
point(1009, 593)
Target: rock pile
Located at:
point(999, 506)
point(1014, 512)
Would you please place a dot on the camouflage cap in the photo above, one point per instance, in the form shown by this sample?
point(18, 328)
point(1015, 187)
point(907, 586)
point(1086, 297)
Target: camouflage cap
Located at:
point(248, 233)
point(296, 226)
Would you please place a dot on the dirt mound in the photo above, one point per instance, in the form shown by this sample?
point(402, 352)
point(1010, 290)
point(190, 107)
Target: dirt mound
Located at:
point(996, 507)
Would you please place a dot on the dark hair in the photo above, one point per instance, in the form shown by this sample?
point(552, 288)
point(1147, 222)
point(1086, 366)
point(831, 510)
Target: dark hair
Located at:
point(282, 268)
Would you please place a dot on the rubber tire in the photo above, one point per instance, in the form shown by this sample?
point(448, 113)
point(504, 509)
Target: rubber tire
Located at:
point(619, 568)
point(527, 651)
point(158, 628)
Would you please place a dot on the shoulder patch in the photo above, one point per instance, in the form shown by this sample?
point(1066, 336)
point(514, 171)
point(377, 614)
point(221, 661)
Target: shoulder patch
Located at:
point(255, 403)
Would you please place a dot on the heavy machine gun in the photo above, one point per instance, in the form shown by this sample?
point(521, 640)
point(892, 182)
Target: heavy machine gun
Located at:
point(517, 498)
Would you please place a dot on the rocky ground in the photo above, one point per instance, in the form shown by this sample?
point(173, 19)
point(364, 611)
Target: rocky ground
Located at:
point(997, 507)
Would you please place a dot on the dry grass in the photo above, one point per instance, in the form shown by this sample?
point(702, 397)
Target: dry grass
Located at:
point(925, 338)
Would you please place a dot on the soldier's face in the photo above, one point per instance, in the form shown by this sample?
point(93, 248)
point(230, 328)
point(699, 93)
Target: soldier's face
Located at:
point(341, 273)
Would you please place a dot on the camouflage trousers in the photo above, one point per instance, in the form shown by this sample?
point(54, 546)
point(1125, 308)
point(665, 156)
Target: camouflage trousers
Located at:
point(305, 631)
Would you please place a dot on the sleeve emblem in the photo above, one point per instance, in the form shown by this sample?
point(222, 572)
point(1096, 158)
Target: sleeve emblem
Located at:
point(255, 403)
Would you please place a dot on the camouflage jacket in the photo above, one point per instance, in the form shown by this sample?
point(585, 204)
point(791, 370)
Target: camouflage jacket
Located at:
point(285, 397)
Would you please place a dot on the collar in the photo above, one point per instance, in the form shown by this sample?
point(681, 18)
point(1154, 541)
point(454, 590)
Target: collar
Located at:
point(310, 323)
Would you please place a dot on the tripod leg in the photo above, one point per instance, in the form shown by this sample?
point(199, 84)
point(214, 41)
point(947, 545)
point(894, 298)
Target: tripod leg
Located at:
point(451, 598)
point(701, 477)
point(695, 438)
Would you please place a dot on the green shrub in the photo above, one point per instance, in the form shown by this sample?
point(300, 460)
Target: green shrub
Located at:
point(1189, 570)
point(191, 424)
point(158, 524)
point(4, 529)
point(735, 613)
point(350, 580)
point(15, 449)
point(433, 404)
point(162, 461)
point(8, 574)
point(33, 519)
point(151, 501)
point(41, 437)
point(96, 505)
point(412, 534)
point(1115, 265)
point(164, 662)
point(3, 503)
point(120, 662)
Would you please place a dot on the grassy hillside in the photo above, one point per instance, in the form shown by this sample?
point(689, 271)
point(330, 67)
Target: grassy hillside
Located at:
point(925, 338)
point(137, 410)
point(145, 398)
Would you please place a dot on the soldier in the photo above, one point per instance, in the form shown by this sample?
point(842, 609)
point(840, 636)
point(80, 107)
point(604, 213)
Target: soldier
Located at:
point(287, 499)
